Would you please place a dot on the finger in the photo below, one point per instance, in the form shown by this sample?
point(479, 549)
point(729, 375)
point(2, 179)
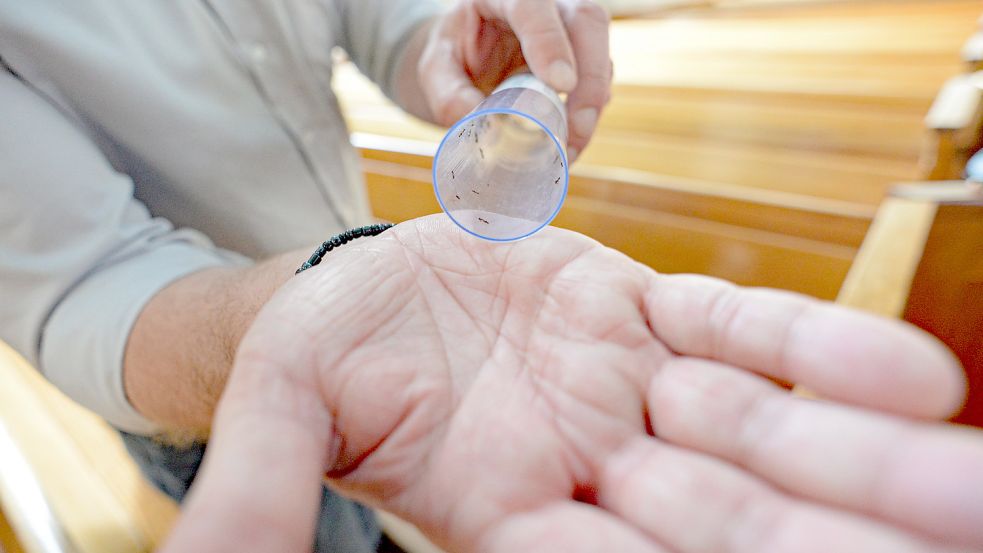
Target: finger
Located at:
point(260, 486)
point(927, 478)
point(448, 89)
point(693, 503)
point(542, 35)
point(587, 24)
point(569, 528)
point(839, 353)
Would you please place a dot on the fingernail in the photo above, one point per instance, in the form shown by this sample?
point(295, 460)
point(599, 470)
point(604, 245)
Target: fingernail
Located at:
point(584, 121)
point(562, 76)
point(572, 154)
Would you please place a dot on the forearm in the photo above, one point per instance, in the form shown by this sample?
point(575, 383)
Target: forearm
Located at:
point(181, 348)
point(409, 92)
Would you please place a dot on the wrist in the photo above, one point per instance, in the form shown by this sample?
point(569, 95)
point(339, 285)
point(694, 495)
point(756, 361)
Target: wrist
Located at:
point(181, 348)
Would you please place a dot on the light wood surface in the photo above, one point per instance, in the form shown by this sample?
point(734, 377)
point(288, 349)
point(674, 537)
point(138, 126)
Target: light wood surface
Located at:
point(95, 491)
point(880, 278)
point(8, 541)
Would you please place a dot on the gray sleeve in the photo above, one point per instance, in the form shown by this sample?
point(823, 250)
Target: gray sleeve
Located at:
point(375, 32)
point(79, 257)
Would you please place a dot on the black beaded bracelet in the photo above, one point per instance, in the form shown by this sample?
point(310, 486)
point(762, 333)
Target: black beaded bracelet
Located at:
point(343, 238)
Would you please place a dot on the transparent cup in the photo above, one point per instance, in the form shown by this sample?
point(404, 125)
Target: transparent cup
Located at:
point(501, 172)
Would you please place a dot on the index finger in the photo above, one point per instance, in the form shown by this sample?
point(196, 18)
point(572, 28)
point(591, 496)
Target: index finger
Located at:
point(839, 353)
point(842, 456)
point(542, 36)
point(588, 25)
point(260, 485)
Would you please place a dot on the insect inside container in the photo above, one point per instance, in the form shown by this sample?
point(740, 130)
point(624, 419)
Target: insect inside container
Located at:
point(483, 221)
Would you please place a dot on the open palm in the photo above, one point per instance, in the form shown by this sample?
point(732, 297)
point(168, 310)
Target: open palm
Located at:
point(554, 395)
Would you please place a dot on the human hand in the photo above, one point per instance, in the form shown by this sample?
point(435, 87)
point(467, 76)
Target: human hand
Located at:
point(474, 46)
point(553, 395)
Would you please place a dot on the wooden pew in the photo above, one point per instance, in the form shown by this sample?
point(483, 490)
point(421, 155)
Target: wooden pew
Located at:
point(8, 540)
point(922, 261)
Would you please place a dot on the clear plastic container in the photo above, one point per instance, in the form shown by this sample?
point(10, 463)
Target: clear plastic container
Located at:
point(501, 172)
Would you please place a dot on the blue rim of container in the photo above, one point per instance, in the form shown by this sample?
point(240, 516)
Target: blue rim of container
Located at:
point(509, 111)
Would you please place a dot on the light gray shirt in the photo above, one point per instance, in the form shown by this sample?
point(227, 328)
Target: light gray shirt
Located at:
point(143, 141)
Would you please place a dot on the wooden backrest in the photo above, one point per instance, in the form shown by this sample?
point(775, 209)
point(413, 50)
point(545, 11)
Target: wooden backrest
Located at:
point(923, 262)
point(674, 227)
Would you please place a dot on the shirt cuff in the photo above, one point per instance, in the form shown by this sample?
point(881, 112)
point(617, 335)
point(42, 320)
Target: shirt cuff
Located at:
point(85, 338)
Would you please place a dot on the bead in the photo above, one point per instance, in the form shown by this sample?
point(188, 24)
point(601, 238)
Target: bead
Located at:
point(342, 238)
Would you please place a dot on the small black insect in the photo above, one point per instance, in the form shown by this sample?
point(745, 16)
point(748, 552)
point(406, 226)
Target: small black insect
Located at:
point(452, 174)
point(557, 181)
point(483, 221)
point(475, 191)
point(457, 196)
point(482, 152)
point(476, 137)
